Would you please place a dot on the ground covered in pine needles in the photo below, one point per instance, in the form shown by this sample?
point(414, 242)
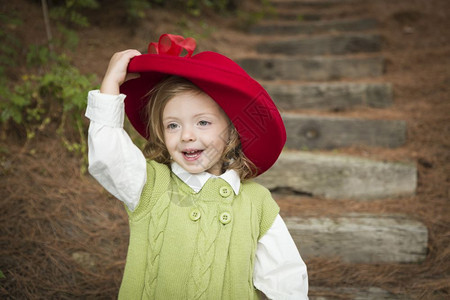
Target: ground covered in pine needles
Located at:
point(62, 236)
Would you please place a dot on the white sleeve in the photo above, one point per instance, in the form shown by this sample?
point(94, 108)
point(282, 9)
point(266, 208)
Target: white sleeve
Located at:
point(117, 164)
point(280, 272)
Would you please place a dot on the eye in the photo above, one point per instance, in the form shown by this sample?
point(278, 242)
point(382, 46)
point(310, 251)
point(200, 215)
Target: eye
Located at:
point(203, 123)
point(172, 126)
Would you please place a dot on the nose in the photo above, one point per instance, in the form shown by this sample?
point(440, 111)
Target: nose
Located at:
point(188, 134)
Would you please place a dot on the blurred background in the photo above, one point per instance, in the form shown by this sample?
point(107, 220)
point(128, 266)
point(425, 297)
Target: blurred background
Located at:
point(363, 182)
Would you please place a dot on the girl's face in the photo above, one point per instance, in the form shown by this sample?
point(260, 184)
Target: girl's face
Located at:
point(195, 132)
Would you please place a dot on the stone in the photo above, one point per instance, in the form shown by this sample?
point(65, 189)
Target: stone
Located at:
point(340, 176)
point(312, 68)
point(335, 96)
point(317, 132)
point(291, 28)
point(323, 45)
point(360, 238)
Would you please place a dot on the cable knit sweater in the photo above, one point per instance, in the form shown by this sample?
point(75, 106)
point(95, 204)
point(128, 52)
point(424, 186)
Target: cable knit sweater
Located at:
point(185, 245)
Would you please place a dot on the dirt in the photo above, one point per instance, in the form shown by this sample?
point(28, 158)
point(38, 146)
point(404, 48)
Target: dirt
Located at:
point(62, 236)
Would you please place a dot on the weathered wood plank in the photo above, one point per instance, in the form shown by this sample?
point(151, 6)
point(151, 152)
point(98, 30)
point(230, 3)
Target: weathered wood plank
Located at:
point(330, 96)
point(360, 238)
point(347, 25)
point(361, 293)
point(340, 177)
point(283, 4)
point(315, 132)
point(320, 10)
point(289, 15)
point(321, 45)
point(315, 68)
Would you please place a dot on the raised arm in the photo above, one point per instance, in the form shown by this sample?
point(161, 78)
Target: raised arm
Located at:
point(117, 164)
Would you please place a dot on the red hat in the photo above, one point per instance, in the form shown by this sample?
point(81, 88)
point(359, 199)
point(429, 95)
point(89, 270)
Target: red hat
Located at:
point(243, 99)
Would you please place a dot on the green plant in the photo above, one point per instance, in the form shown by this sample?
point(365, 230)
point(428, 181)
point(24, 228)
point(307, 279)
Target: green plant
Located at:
point(248, 18)
point(9, 49)
point(196, 7)
point(69, 12)
point(51, 94)
point(67, 87)
point(58, 96)
point(193, 7)
point(8, 55)
point(69, 15)
point(197, 29)
point(136, 9)
point(10, 44)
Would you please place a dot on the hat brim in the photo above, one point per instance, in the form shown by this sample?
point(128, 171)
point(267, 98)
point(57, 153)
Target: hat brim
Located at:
point(244, 100)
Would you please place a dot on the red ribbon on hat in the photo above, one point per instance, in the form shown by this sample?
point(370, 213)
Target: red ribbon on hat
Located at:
point(171, 44)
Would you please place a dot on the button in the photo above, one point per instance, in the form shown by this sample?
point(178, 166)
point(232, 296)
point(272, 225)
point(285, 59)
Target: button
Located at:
point(225, 191)
point(194, 214)
point(225, 218)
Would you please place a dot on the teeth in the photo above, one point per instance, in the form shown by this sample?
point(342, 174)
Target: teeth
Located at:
point(192, 153)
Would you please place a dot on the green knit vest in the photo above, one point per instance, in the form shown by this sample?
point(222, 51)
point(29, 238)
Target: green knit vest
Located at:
point(185, 245)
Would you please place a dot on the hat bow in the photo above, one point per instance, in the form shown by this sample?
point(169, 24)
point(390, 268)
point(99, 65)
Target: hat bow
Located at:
point(171, 44)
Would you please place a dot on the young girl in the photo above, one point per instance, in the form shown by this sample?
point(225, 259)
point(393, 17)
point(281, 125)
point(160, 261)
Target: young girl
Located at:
point(199, 228)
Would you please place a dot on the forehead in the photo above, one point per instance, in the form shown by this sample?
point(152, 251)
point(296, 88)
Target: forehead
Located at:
point(192, 102)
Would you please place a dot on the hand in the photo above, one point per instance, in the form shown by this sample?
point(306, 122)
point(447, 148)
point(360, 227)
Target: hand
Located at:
point(117, 71)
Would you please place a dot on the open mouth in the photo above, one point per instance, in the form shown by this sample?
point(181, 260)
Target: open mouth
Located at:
point(192, 154)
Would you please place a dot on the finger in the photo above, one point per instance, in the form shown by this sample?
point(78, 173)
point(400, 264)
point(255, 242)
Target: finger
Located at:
point(132, 76)
point(130, 53)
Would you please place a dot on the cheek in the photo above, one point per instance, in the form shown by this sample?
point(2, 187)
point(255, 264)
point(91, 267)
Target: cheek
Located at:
point(169, 141)
point(225, 135)
point(222, 139)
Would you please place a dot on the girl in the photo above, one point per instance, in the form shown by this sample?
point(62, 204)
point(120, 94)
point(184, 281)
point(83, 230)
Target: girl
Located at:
point(199, 228)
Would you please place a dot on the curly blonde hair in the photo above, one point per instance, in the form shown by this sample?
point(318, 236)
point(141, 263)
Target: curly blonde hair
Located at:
point(232, 157)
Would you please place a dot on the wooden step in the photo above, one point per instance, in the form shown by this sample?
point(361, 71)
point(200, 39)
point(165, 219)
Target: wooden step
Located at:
point(289, 4)
point(322, 45)
point(283, 28)
point(352, 293)
point(312, 68)
point(321, 10)
point(318, 132)
point(304, 14)
point(360, 238)
point(340, 177)
point(330, 96)
point(290, 15)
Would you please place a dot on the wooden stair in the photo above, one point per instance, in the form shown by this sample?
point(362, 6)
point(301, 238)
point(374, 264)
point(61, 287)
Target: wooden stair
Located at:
point(322, 70)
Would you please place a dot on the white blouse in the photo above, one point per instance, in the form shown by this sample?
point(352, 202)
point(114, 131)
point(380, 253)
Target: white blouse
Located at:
point(120, 167)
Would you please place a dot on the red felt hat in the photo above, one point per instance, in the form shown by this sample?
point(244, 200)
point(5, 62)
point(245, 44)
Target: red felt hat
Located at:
point(243, 99)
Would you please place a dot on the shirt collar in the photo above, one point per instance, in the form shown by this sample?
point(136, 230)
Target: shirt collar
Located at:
point(197, 181)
